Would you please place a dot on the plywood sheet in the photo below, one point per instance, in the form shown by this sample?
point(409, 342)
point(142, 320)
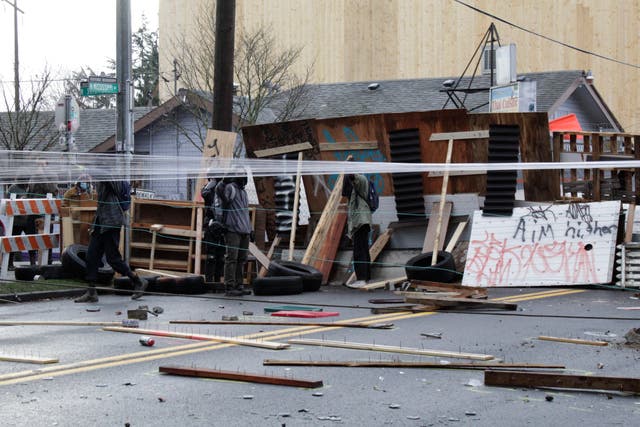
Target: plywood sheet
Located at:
point(546, 245)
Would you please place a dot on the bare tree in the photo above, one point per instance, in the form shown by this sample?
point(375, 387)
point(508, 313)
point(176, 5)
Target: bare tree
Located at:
point(32, 126)
point(264, 75)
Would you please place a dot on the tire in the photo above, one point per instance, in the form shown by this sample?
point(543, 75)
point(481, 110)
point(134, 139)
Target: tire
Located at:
point(277, 285)
point(419, 268)
point(73, 260)
point(311, 277)
point(53, 271)
point(26, 273)
point(123, 283)
point(187, 285)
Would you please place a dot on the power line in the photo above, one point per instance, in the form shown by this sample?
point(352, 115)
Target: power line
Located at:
point(588, 52)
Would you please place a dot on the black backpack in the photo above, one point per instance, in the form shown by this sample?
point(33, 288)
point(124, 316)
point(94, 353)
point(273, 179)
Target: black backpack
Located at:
point(372, 199)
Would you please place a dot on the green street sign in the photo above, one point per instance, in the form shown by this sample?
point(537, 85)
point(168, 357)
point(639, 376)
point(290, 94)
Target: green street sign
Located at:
point(99, 86)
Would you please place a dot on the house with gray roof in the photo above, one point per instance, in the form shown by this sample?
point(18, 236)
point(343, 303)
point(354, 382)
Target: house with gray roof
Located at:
point(558, 93)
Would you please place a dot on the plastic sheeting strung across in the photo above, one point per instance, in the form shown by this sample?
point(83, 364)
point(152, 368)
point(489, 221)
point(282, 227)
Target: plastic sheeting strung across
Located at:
point(36, 166)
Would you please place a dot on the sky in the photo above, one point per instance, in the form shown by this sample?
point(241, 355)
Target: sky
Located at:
point(64, 34)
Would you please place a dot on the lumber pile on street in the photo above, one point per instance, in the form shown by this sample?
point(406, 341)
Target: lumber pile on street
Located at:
point(430, 296)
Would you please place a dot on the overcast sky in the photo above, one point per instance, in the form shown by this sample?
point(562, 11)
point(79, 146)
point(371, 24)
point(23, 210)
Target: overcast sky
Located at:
point(64, 34)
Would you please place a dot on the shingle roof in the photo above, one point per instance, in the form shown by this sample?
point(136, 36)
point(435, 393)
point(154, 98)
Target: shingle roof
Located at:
point(96, 125)
point(397, 96)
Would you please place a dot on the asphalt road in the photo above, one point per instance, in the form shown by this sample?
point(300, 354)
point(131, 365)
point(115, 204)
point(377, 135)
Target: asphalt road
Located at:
point(108, 379)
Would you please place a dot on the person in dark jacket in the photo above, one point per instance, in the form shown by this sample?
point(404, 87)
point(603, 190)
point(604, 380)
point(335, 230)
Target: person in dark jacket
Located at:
point(213, 233)
point(235, 205)
point(105, 239)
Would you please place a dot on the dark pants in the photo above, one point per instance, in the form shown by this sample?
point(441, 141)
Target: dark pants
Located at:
point(214, 248)
point(237, 250)
point(105, 243)
point(361, 258)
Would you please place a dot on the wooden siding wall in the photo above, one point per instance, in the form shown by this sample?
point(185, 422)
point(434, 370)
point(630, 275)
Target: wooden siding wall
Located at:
point(535, 146)
point(354, 40)
point(159, 139)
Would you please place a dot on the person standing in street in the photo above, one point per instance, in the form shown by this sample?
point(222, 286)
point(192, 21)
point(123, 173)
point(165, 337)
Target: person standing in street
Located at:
point(356, 188)
point(22, 223)
point(235, 219)
point(213, 233)
point(105, 239)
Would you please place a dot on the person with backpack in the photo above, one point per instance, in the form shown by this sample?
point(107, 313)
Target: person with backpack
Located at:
point(356, 188)
point(113, 200)
point(235, 213)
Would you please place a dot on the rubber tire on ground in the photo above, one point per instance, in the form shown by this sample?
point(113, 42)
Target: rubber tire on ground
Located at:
point(419, 268)
point(187, 285)
point(124, 286)
point(26, 273)
point(73, 260)
point(53, 271)
point(277, 285)
point(311, 277)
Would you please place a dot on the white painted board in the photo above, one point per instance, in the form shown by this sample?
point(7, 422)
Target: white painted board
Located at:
point(546, 245)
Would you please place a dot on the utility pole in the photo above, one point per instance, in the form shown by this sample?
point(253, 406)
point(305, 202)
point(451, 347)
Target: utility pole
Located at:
point(16, 68)
point(223, 66)
point(124, 100)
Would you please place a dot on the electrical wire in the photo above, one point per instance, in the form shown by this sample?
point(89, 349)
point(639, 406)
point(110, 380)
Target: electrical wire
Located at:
point(588, 52)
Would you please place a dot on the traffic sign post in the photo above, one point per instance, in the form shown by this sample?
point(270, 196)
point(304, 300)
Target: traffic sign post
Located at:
point(67, 119)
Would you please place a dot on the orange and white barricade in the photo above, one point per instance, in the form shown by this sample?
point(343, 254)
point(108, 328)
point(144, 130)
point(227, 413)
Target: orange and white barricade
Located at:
point(41, 242)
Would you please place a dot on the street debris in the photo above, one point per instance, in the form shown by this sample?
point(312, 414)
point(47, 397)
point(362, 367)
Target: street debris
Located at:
point(633, 336)
point(236, 376)
point(572, 340)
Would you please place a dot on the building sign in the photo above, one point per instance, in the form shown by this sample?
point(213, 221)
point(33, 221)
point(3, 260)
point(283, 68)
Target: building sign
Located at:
point(513, 98)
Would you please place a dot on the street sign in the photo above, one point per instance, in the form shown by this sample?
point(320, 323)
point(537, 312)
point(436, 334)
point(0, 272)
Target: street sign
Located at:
point(99, 86)
point(61, 116)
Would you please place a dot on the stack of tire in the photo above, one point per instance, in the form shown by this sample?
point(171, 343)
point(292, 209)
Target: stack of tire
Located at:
point(288, 278)
point(444, 270)
point(74, 266)
point(184, 285)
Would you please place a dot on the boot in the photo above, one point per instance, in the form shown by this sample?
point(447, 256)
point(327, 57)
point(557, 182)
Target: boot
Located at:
point(233, 292)
point(90, 296)
point(140, 285)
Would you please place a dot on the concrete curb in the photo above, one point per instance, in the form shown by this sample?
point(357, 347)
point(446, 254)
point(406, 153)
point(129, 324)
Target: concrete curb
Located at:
point(40, 295)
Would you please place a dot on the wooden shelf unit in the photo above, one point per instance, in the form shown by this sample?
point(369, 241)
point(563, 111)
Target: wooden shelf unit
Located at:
point(174, 248)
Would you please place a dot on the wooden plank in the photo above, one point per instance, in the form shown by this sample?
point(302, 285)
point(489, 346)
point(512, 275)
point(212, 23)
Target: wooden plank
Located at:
point(430, 294)
point(573, 340)
point(256, 252)
point(346, 146)
point(56, 323)
point(391, 349)
point(284, 323)
point(325, 222)
point(198, 241)
point(161, 263)
point(296, 201)
point(274, 245)
point(239, 341)
point(440, 216)
point(326, 254)
point(283, 149)
point(164, 273)
point(443, 196)
point(539, 379)
point(402, 364)
point(382, 283)
point(236, 376)
point(374, 251)
point(453, 302)
point(456, 236)
point(631, 212)
point(30, 359)
point(474, 134)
